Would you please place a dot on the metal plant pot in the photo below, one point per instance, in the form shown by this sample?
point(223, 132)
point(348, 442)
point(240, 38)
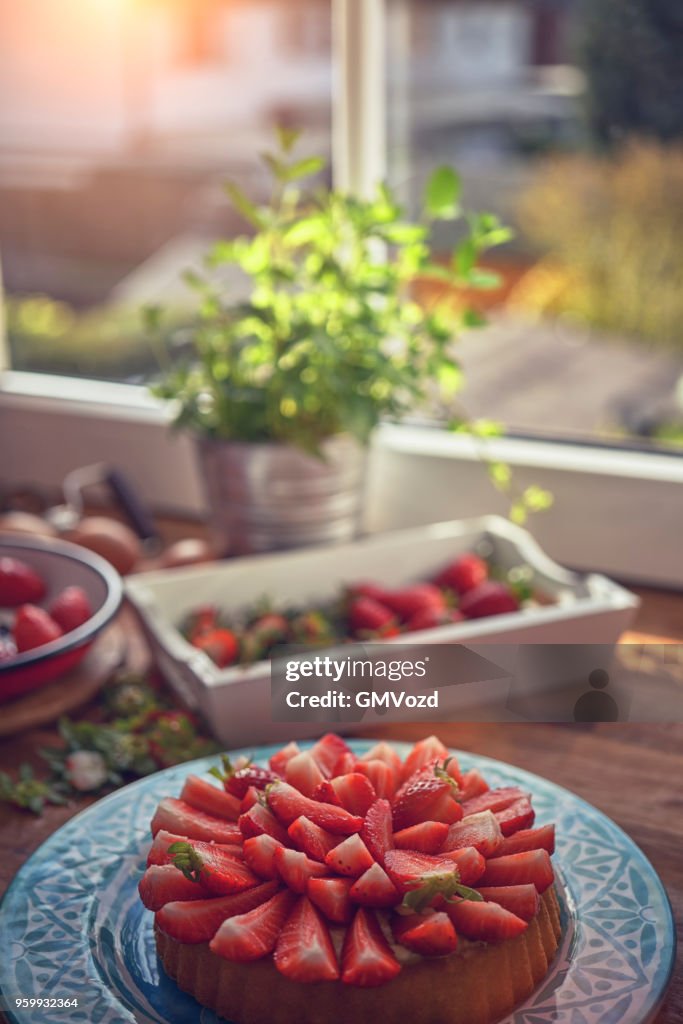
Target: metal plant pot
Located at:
point(265, 497)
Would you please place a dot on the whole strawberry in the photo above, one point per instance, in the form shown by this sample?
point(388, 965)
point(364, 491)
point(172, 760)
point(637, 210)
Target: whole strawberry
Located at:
point(71, 609)
point(33, 627)
point(221, 645)
point(368, 617)
point(463, 574)
point(489, 598)
point(19, 583)
point(410, 600)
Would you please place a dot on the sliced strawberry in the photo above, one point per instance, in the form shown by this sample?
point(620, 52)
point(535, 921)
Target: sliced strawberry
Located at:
point(331, 895)
point(287, 804)
point(377, 831)
point(383, 751)
point(163, 883)
point(429, 934)
point(345, 764)
point(303, 773)
point(493, 800)
point(258, 821)
point(311, 838)
point(473, 784)
point(427, 837)
point(464, 574)
point(481, 831)
point(355, 792)
point(204, 796)
point(295, 868)
point(259, 855)
point(221, 872)
point(468, 861)
point(519, 815)
point(428, 795)
point(304, 950)
point(351, 857)
point(251, 797)
point(405, 866)
point(326, 794)
point(367, 959)
point(521, 900)
point(238, 780)
point(278, 762)
point(529, 839)
point(532, 867)
point(183, 819)
point(200, 920)
point(327, 752)
point(254, 934)
point(484, 922)
point(424, 752)
point(410, 600)
point(380, 775)
point(158, 851)
point(374, 888)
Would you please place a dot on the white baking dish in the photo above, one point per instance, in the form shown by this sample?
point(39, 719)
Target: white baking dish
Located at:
point(587, 609)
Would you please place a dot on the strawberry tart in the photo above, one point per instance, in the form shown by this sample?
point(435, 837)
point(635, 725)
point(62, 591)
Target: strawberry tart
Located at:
point(330, 887)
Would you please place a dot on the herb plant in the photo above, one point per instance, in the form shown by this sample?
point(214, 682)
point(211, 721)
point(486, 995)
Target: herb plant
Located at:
point(330, 339)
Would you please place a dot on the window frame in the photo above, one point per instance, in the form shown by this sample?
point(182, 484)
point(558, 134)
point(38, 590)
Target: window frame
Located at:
point(92, 421)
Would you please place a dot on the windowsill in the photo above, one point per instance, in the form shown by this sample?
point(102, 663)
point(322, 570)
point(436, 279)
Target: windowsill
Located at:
point(615, 510)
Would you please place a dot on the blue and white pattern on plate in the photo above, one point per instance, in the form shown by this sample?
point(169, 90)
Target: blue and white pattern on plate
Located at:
point(71, 923)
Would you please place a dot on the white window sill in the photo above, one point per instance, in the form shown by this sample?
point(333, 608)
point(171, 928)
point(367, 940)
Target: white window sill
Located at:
point(615, 511)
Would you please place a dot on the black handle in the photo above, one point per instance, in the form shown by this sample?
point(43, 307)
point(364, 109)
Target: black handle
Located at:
point(131, 503)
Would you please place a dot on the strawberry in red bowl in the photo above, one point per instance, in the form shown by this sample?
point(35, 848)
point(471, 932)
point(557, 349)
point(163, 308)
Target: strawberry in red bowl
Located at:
point(434, 902)
point(55, 598)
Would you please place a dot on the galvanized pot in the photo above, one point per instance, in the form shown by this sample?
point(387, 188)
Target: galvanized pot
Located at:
point(265, 497)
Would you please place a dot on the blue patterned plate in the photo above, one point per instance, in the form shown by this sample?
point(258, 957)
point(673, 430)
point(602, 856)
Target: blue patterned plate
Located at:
point(73, 929)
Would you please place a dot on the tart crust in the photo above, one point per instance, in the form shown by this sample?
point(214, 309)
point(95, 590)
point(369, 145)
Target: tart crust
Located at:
point(477, 985)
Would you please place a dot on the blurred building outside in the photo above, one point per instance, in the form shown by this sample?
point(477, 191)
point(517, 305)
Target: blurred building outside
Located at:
point(120, 119)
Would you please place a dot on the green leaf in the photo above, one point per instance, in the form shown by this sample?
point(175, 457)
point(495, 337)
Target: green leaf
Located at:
point(484, 279)
point(464, 258)
point(303, 168)
point(442, 194)
point(187, 860)
point(473, 318)
point(287, 137)
point(243, 205)
point(450, 379)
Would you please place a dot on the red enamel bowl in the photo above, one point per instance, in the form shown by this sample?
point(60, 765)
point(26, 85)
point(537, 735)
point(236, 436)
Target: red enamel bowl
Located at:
point(60, 565)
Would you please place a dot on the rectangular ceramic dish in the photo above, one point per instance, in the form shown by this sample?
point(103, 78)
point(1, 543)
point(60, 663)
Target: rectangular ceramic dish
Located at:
point(584, 609)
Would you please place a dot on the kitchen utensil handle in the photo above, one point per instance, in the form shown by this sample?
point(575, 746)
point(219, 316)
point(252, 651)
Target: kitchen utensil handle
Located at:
point(131, 503)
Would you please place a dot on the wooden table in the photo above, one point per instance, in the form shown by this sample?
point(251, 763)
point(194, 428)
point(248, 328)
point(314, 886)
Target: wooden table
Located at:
point(631, 772)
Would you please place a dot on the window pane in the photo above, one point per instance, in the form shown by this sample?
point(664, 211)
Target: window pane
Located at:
point(565, 117)
point(119, 121)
